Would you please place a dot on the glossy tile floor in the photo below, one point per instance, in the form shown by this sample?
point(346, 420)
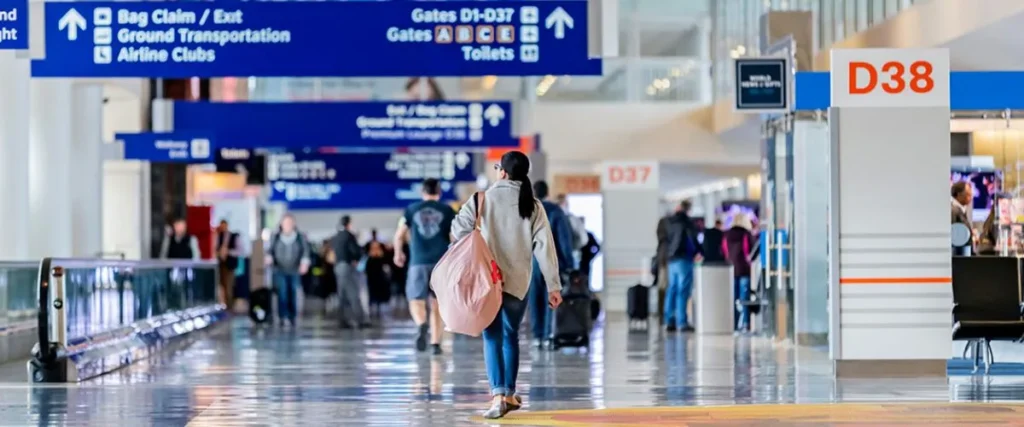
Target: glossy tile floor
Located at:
point(318, 375)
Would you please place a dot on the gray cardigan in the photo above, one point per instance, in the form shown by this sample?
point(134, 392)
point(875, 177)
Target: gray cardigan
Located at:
point(513, 240)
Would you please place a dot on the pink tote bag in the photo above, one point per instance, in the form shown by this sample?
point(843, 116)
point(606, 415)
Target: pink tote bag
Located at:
point(467, 282)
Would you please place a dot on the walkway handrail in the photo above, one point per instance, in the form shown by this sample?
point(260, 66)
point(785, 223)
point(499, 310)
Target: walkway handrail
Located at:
point(85, 304)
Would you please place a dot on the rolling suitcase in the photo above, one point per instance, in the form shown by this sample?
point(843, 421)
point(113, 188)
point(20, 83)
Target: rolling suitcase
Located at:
point(260, 301)
point(637, 307)
point(572, 322)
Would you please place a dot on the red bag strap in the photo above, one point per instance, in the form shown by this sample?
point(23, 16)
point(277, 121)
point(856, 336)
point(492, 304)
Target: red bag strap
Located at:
point(479, 208)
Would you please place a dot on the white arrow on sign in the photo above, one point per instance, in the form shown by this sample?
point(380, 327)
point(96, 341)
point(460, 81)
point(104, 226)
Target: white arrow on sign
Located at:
point(72, 21)
point(559, 19)
point(462, 160)
point(494, 114)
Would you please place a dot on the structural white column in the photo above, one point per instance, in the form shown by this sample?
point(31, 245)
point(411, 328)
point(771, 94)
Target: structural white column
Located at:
point(810, 231)
point(891, 278)
point(87, 170)
point(14, 155)
point(50, 168)
point(630, 203)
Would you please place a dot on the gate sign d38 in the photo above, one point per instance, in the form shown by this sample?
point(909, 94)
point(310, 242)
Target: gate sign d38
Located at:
point(876, 78)
point(629, 176)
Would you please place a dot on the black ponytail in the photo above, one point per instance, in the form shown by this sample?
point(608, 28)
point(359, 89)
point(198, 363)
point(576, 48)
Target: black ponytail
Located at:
point(517, 166)
point(527, 204)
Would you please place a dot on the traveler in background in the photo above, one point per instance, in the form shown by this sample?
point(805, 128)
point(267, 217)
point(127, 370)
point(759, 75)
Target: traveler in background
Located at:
point(347, 254)
point(587, 255)
point(228, 251)
point(682, 252)
point(736, 247)
point(660, 268)
point(377, 279)
point(179, 244)
point(427, 226)
point(516, 229)
point(399, 274)
point(579, 231)
point(562, 232)
point(288, 256)
point(960, 207)
point(712, 243)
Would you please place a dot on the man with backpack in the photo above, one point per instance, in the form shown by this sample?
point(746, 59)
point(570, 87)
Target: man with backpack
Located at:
point(562, 231)
point(682, 252)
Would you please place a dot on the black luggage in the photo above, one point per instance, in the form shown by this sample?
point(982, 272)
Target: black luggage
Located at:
point(572, 322)
point(637, 306)
point(260, 301)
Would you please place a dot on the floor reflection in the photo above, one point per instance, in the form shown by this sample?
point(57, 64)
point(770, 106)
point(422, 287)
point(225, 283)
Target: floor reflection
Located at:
point(316, 374)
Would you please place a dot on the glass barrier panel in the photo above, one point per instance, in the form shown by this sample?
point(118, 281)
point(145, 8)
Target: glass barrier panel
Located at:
point(101, 296)
point(18, 292)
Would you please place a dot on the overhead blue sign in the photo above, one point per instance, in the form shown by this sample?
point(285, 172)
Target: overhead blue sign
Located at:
point(13, 24)
point(331, 195)
point(315, 39)
point(763, 85)
point(370, 167)
point(295, 125)
point(172, 147)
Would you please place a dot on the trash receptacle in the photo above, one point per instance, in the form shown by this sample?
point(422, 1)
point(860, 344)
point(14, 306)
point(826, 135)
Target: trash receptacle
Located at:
point(714, 302)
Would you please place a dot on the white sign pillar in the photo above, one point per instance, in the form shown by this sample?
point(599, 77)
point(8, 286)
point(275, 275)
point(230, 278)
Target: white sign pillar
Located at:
point(890, 276)
point(630, 193)
point(52, 112)
point(14, 155)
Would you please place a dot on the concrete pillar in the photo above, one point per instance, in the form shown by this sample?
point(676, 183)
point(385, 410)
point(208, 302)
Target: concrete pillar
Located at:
point(52, 112)
point(87, 170)
point(14, 156)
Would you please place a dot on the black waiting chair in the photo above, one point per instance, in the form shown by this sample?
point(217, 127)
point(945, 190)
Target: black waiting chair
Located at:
point(987, 304)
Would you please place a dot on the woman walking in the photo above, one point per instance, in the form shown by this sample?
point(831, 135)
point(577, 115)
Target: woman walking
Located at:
point(516, 229)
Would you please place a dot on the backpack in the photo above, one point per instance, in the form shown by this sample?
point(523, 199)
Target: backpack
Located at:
point(467, 282)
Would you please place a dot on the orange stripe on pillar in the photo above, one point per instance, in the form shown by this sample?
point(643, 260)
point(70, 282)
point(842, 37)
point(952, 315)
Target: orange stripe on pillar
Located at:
point(895, 280)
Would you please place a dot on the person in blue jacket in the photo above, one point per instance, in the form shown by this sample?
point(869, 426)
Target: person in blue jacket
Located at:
point(561, 230)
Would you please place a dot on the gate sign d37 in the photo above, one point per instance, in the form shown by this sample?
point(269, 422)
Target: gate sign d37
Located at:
point(315, 39)
point(890, 78)
point(629, 176)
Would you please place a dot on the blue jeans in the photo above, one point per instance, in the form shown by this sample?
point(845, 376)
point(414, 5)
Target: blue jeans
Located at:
point(680, 286)
point(741, 289)
point(540, 311)
point(286, 285)
point(501, 346)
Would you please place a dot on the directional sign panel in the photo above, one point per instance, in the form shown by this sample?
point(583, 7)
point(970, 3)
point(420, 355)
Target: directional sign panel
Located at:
point(298, 125)
point(13, 24)
point(174, 147)
point(370, 167)
point(315, 39)
point(330, 195)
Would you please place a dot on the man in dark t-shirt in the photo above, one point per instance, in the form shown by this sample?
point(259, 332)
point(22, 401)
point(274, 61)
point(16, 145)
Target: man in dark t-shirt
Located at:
point(427, 226)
